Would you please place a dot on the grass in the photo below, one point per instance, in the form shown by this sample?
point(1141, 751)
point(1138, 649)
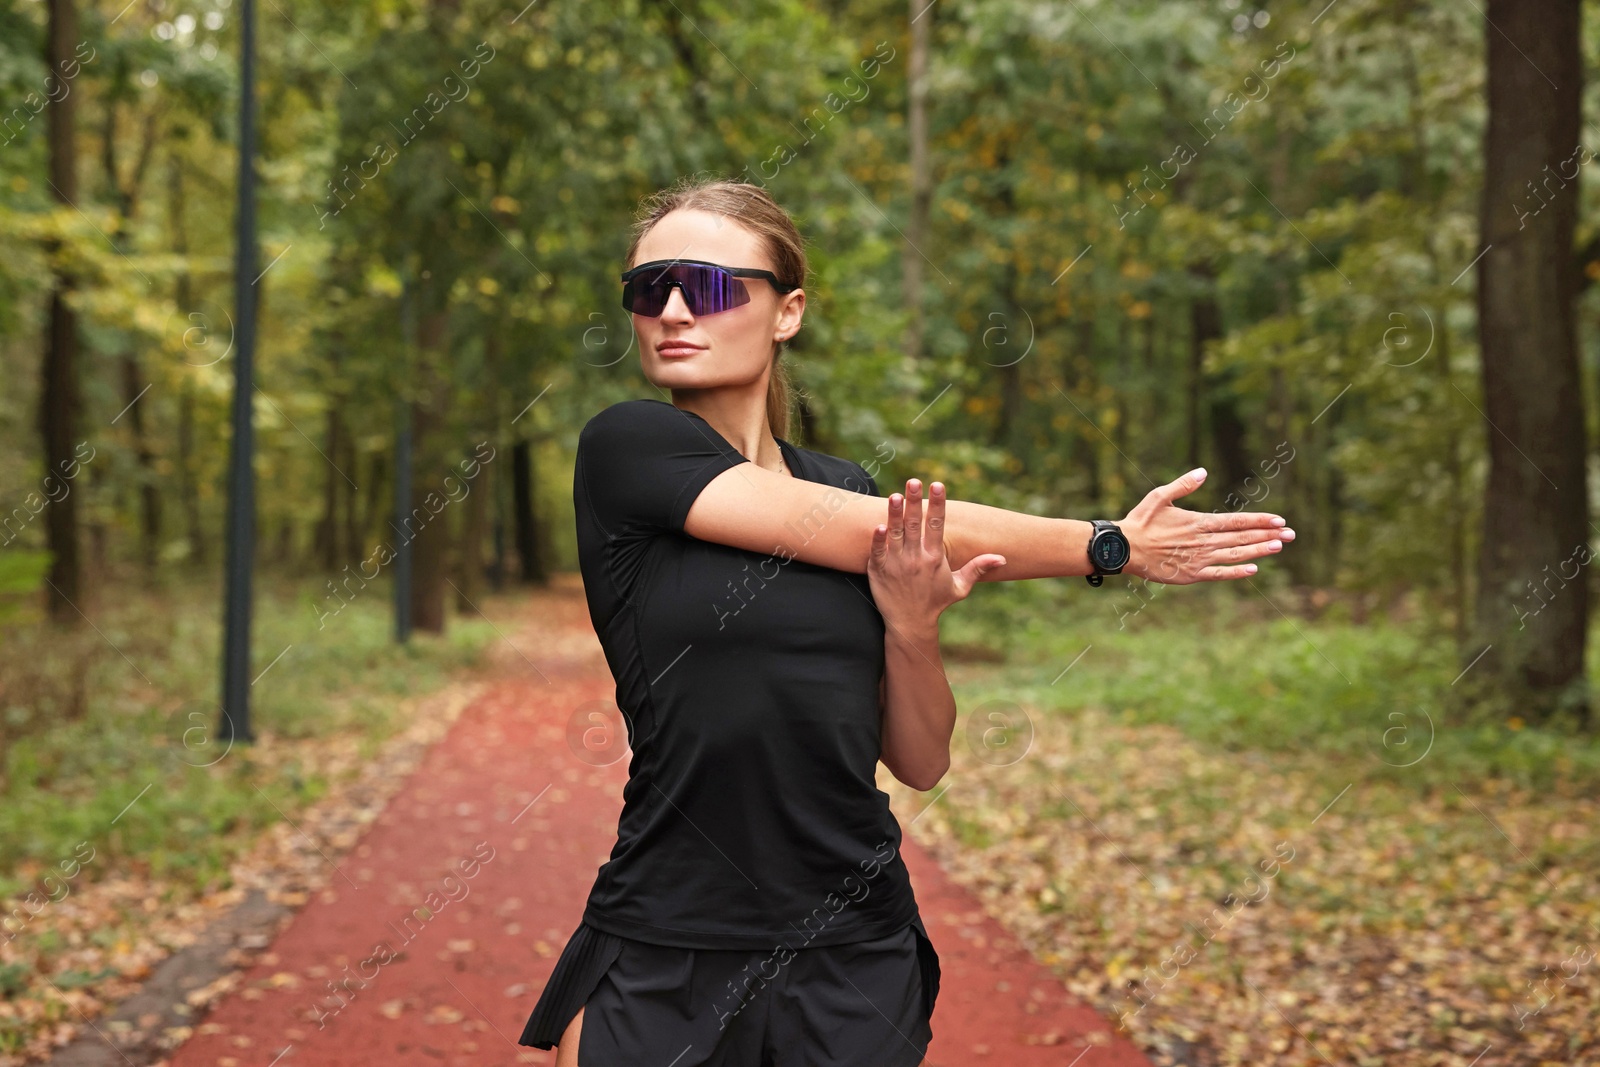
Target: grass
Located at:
point(1367, 701)
point(1442, 865)
point(111, 729)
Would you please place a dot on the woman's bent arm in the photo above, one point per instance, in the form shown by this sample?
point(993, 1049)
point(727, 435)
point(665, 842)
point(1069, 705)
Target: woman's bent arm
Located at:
point(750, 507)
point(919, 710)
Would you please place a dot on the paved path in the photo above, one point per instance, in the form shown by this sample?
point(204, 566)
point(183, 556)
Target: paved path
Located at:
point(505, 794)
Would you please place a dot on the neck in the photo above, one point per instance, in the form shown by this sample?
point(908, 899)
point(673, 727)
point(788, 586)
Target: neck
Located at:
point(739, 413)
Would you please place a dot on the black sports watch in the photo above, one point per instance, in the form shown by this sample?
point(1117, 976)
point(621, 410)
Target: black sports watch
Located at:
point(1108, 551)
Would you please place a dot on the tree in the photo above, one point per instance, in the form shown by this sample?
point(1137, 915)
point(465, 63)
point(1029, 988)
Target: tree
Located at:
point(1530, 611)
point(921, 174)
point(59, 399)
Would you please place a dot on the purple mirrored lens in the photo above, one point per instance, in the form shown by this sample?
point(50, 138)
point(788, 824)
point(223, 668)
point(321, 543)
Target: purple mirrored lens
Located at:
point(706, 290)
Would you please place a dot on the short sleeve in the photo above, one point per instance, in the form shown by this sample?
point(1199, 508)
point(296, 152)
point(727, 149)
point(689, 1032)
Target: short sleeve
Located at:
point(870, 486)
point(643, 463)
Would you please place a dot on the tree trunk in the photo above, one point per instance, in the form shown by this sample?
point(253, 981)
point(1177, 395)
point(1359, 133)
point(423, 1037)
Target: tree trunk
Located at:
point(1080, 371)
point(469, 568)
point(921, 176)
point(1228, 438)
point(125, 194)
point(58, 395)
point(355, 537)
point(1533, 601)
point(1128, 478)
point(1203, 324)
point(377, 507)
point(188, 476)
point(529, 557)
point(428, 496)
point(188, 480)
point(327, 541)
point(1007, 355)
point(149, 491)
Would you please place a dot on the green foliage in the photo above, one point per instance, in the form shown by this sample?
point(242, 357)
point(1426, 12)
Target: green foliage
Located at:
point(140, 775)
point(1105, 176)
point(1245, 671)
point(21, 576)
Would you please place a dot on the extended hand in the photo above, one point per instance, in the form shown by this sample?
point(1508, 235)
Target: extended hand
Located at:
point(1178, 547)
point(910, 575)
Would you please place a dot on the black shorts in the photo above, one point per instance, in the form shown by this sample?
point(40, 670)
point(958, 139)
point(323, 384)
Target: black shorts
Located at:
point(853, 1005)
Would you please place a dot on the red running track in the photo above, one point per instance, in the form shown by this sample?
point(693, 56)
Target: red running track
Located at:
point(461, 988)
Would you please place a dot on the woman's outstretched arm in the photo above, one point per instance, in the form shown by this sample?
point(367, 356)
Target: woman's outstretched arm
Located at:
point(750, 507)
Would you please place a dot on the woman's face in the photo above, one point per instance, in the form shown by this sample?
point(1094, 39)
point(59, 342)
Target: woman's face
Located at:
point(732, 347)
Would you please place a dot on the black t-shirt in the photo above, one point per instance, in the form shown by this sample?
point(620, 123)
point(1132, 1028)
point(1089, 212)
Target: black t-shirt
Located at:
point(749, 683)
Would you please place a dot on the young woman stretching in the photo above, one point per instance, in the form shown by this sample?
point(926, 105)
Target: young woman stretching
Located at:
point(772, 625)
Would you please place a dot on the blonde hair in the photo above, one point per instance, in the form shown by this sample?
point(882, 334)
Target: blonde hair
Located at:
point(751, 207)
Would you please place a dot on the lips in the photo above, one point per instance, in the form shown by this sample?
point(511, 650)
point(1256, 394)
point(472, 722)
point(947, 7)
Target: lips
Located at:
point(677, 348)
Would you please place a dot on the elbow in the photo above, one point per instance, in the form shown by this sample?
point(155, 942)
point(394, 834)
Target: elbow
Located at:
point(926, 777)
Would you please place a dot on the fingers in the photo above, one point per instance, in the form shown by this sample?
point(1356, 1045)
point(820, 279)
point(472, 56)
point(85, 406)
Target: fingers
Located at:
point(897, 520)
point(1222, 574)
point(880, 544)
point(913, 527)
point(1180, 487)
point(913, 513)
point(1240, 520)
point(933, 536)
point(968, 576)
point(1255, 535)
point(1211, 556)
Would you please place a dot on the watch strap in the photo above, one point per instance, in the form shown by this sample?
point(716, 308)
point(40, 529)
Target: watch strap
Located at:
point(1097, 576)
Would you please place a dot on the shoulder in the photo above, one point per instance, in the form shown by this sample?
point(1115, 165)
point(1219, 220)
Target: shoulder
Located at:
point(844, 473)
point(632, 423)
point(629, 414)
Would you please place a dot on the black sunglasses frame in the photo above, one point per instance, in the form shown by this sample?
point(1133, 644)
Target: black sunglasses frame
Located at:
point(737, 272)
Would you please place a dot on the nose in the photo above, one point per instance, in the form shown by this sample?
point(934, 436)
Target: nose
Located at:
point(677, 309)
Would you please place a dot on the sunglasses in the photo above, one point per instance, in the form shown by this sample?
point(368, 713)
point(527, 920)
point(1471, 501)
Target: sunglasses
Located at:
point(707, 287)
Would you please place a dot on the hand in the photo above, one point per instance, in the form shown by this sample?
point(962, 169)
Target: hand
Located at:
point(1178, 547)
point(909, 572)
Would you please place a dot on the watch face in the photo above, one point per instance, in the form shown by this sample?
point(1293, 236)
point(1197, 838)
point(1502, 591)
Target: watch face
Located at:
point(1111, 550)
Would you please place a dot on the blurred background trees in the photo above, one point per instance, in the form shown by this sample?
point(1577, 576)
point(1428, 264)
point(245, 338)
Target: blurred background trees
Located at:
point(1156, 235)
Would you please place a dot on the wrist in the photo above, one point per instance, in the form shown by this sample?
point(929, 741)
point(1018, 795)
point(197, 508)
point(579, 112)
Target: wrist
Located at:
point(1111, 550)
point(1138, 565)
point(921, 631)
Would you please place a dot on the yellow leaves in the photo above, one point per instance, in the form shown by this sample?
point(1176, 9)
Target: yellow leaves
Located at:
point(382, 281)
point(1406, 935)
point(506, 205)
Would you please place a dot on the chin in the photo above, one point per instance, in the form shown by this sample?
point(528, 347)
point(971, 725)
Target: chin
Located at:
point(669, 375)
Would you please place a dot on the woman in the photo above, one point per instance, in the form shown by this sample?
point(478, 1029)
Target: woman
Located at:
point(772, 625)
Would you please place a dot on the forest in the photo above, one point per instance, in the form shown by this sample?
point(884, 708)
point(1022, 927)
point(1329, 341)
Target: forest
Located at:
point(1064, 251)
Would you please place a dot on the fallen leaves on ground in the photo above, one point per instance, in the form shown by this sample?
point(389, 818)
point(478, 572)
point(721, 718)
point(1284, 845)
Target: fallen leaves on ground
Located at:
point(1232, 908)
point(96, 945)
